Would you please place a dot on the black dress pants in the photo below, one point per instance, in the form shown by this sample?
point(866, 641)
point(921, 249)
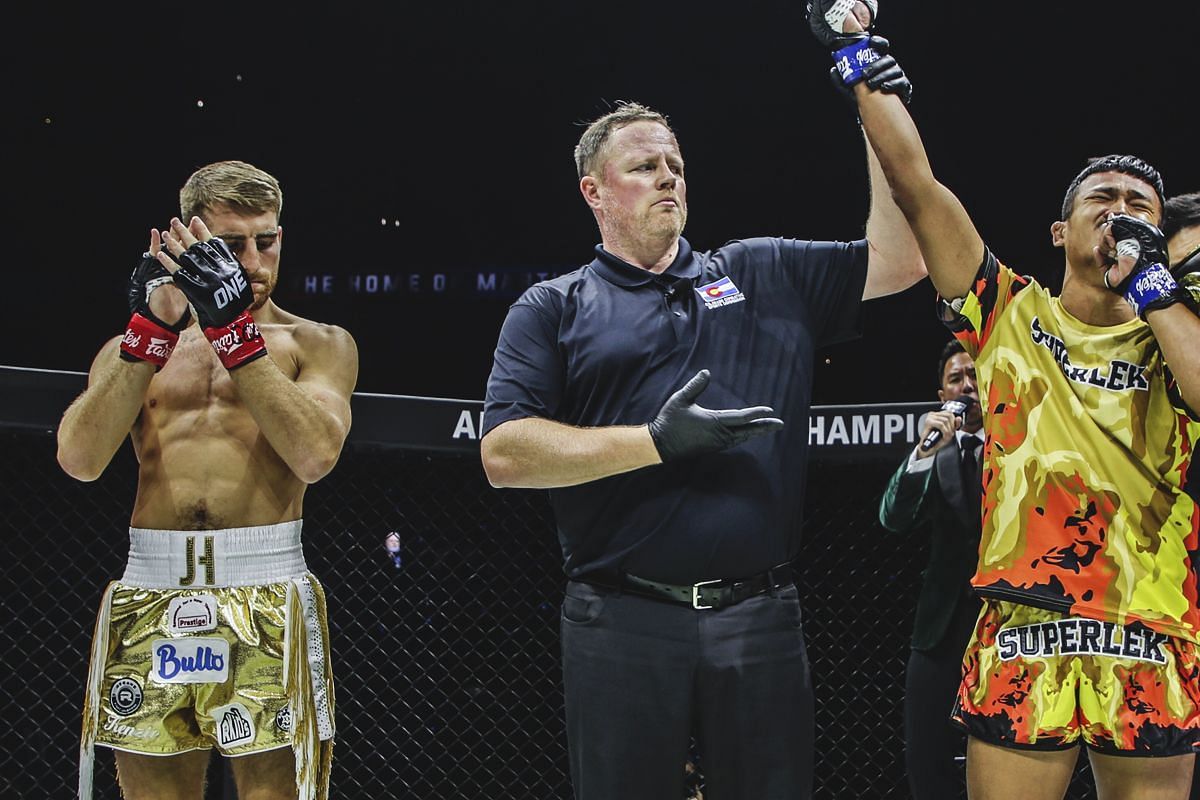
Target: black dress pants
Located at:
point(640, 676)
point(931, 740)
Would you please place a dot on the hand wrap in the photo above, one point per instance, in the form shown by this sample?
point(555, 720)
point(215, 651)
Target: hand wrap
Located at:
point(237, 343)
point(146, 340)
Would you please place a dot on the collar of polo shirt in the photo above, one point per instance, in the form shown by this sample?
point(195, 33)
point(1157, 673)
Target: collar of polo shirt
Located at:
point(621, 273)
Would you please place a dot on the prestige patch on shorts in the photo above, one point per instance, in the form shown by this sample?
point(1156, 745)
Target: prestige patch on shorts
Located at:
point(1078, 636)
point(192, 614)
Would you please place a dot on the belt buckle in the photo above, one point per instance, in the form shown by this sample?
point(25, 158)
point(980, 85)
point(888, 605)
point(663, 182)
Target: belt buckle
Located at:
point(696, 594)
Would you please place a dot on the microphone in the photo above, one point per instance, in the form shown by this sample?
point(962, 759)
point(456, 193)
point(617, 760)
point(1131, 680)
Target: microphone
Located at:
point(958, 408)
point(674, 287)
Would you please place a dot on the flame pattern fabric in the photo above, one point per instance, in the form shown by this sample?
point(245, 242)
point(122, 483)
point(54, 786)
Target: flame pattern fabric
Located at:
point(1087, 449)
point(1050, 700)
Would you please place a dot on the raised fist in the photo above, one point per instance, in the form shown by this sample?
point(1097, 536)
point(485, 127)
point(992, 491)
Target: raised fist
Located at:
point(880, 72)
point(834, 22)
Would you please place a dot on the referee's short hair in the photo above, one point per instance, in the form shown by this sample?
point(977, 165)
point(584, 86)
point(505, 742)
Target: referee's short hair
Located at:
point(587, 152)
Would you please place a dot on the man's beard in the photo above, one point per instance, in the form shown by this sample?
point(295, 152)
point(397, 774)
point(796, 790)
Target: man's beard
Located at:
point(670, 224)
point(268, 288)
point(628, 226)
point(655, 224)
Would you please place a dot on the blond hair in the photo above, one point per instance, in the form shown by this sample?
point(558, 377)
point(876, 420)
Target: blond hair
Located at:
point(587, 152)
point(242, 187)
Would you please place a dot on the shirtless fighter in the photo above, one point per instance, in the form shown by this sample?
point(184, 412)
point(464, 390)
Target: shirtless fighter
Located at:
point(216, 635)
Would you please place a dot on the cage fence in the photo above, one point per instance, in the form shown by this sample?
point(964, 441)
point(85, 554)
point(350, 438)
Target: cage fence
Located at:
point(444, 600)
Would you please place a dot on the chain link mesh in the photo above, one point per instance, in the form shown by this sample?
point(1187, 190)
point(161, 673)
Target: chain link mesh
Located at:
point(445, 635)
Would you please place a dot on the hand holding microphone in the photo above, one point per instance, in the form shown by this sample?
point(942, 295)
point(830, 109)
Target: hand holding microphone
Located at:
point(946, 420)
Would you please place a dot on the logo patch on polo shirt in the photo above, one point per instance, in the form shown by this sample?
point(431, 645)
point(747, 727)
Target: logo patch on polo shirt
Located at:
point(720, 293)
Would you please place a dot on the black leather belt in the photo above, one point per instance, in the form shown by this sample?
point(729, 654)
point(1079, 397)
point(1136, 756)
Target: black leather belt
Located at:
point(703, 595)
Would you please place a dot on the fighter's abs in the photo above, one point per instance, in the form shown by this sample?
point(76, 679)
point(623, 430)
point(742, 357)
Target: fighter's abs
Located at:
point(204, 462)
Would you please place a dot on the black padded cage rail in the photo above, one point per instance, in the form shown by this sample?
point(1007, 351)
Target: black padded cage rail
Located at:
point(444, 604)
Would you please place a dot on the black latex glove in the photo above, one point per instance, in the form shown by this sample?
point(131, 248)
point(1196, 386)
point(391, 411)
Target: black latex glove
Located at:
point(684, 429)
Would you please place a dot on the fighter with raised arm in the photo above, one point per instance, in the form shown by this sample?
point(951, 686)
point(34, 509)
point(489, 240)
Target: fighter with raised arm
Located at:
point(1089, 628)
point(215, 636)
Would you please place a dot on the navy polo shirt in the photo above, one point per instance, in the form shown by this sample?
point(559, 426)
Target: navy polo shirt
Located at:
point(608, 343)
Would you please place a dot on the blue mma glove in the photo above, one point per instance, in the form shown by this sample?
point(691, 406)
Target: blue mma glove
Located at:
point(878, 69)
point(1150, 285)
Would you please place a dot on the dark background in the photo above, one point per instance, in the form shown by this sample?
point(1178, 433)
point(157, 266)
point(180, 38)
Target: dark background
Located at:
point(458, 120)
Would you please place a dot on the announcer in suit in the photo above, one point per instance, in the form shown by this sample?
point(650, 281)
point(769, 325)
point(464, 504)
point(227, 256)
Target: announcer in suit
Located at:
point(935, 493)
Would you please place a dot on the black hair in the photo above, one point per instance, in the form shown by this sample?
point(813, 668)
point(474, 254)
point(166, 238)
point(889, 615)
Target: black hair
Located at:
point(951, 349)
point(1181, 212)
point(1129, 165)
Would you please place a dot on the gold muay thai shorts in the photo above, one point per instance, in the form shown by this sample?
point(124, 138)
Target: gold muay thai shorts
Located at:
point(213, 639)
point(1036, 679)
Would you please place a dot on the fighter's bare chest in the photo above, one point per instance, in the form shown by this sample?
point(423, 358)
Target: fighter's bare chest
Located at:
point(193, 378)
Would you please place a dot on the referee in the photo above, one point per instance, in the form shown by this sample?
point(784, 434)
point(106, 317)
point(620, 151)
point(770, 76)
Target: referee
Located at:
point(678, 523)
